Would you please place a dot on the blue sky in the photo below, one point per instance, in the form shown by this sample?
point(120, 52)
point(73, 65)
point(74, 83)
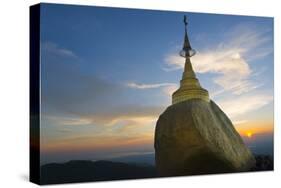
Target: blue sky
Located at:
point(108, 73)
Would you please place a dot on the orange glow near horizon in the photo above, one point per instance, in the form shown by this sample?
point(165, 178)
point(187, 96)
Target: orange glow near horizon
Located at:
point(106, 143)
point(249, 129)
point(114, 141)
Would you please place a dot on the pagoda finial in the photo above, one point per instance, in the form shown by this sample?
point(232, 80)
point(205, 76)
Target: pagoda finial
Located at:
point(190, 87)
point(185, 21)
point(186, 51)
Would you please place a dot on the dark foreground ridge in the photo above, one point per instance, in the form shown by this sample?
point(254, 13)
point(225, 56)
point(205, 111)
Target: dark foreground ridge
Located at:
point(263, 163)
point(83, 171)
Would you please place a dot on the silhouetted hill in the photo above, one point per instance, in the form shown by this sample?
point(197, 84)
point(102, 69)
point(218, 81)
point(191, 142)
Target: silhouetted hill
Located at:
point(140, 160)
point(82, 171)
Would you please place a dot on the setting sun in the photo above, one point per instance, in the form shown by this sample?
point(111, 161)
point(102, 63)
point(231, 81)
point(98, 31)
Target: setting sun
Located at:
point(249, 134)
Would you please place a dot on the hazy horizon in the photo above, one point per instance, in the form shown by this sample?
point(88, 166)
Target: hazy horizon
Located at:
point(261, 145)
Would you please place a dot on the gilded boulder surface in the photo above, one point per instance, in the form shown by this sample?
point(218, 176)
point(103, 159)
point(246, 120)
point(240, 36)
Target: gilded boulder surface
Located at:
point(196, 137)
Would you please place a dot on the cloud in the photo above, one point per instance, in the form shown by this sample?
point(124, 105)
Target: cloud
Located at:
point(147, 86)
point(244, 104)
point(239, 122)
point(173, 62)
point(68, 120)
point(229, 61)
point(123, 115)
point(167, 88)
point(53, 48)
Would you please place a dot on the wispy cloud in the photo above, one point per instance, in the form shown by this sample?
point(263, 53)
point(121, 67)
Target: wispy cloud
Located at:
point(53, 48)
point(69, 120)
point(229, 61)
point(126, 114)
point(122, 115)
point(167, 88)
point(147, 86)
point(239, 122)
point(244, 104)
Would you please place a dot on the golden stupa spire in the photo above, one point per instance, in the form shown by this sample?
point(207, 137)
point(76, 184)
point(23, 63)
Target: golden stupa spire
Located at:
point(190, 87)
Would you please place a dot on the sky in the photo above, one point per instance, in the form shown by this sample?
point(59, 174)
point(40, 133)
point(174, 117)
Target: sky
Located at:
point(108, 73)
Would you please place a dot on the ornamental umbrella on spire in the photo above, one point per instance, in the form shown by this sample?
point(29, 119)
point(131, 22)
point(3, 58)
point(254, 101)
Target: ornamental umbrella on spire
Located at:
point(186, 51)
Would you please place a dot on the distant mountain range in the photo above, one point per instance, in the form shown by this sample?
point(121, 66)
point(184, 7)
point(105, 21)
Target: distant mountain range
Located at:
point(143, 159)
point(83, 171)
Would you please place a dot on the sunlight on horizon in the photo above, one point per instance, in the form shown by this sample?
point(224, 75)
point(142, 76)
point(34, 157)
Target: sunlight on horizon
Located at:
point(249, 134)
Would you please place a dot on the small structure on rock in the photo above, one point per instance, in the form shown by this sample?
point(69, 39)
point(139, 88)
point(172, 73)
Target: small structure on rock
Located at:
point(193, 135)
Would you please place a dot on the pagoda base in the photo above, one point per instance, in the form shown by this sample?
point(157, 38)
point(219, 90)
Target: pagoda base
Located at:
point(186, 94)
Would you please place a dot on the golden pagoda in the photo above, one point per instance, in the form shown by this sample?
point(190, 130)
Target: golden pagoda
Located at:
point(190, 87)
